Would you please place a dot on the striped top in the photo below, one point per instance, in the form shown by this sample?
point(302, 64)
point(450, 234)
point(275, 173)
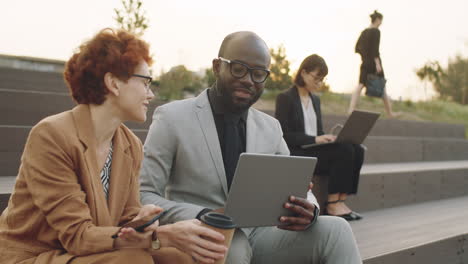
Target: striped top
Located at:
point(106, 172)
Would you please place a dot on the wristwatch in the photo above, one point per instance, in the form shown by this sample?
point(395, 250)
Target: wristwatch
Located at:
point(155, 243)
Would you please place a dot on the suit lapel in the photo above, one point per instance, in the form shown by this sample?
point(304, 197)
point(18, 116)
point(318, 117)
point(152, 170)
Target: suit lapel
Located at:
point(208, 127)
point(121, 174)
point(91, 181)
point(298, 107)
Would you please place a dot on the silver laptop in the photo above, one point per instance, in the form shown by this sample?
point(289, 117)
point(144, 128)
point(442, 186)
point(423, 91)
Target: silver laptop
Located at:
point(355, 130)
point(263, 183)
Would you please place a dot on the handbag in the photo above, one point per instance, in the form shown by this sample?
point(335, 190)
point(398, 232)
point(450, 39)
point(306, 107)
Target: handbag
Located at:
point(375, 85)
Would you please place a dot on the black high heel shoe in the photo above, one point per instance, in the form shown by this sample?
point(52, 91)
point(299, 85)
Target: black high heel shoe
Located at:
point(347, 217)
point(355, 215)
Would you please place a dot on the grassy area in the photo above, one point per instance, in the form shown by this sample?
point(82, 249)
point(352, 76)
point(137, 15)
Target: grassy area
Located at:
point(431, 111)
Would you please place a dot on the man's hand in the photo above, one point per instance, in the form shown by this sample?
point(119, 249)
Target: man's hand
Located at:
point(324, 139)
point(304, 214)
point(203, 244)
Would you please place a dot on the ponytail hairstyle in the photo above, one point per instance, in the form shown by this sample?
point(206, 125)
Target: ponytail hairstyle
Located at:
point(376, 15)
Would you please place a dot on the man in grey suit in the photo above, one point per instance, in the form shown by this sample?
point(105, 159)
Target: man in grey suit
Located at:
point(192, 149)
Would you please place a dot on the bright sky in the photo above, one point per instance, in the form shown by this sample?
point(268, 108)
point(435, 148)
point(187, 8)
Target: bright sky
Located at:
point(189, 32)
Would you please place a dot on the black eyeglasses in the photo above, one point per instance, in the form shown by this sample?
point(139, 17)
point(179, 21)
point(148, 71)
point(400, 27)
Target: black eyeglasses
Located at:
point(239, 70)
point(148, 81)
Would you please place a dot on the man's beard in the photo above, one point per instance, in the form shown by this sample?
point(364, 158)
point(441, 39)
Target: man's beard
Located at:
point(227, 98)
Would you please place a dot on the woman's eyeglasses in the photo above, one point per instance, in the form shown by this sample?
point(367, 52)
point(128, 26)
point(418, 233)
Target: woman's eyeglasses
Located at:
point(148, 81)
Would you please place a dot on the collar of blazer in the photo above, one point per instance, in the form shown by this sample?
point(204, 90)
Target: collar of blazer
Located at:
point(121, 172)
point(207, 125)
point(84, 126)
point(298, 105)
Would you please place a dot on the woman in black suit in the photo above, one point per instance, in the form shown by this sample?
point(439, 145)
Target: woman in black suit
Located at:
point(298, 110)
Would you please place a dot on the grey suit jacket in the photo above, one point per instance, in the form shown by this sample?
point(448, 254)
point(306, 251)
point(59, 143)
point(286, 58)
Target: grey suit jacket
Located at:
point(183, 169)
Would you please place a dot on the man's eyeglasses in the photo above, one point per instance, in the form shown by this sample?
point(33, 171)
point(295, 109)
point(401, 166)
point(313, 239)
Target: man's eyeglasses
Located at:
point(148, 81)
point(239, 70)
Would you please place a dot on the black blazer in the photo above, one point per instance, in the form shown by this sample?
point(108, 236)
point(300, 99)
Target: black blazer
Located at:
point(290, 115)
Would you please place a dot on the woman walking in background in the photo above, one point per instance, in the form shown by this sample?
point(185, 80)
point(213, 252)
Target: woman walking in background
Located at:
point(298, 111)
point(368, 47)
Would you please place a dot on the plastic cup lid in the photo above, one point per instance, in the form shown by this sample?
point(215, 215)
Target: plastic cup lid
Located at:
point(218, 220)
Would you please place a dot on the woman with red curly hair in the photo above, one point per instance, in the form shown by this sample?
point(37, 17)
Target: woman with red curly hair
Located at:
point(79, 174)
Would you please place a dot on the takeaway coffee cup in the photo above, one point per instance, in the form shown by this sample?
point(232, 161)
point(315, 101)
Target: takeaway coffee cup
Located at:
point(222, 224)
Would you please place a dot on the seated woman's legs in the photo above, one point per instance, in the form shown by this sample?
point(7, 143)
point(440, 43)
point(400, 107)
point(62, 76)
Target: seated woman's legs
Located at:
point(358, 161)
point(342, 163)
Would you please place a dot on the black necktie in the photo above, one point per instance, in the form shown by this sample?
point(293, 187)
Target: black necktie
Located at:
point(232, 145)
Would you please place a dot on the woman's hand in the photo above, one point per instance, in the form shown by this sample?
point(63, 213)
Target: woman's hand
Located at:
point(378, 68)
point(324, 139)
point(193, 239)
point(130, 238)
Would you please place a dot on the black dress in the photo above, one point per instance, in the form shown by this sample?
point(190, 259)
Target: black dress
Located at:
point(342, 162)
point(368, 47)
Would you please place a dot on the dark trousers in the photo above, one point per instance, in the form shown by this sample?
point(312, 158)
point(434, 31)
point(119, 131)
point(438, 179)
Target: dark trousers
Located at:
point(342, 163)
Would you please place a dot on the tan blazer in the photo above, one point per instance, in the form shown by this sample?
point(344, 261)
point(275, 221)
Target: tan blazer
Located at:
point(58, 208)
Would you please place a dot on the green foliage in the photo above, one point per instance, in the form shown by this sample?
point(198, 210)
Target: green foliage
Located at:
point(132, 17)
point(408, 103)
point(450, 83)
point(178, 83)
point(280, 78)
point(455, 80)
point(209, 78)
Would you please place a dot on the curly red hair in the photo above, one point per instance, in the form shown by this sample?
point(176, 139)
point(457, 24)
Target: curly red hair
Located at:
point(114, 51)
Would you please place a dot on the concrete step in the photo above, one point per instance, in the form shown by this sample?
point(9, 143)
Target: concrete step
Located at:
point(52, 82)
point(380, 149)
point(411, 149)
point(17, 79)
point(404, 128)
point(399, 128)
point(26, 108)
point(9, 163)
point(12, 144)
point(7, 184)
point(427, 233)
point(395, 184)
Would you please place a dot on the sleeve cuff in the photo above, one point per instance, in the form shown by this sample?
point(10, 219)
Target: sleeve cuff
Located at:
point(316, 215)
